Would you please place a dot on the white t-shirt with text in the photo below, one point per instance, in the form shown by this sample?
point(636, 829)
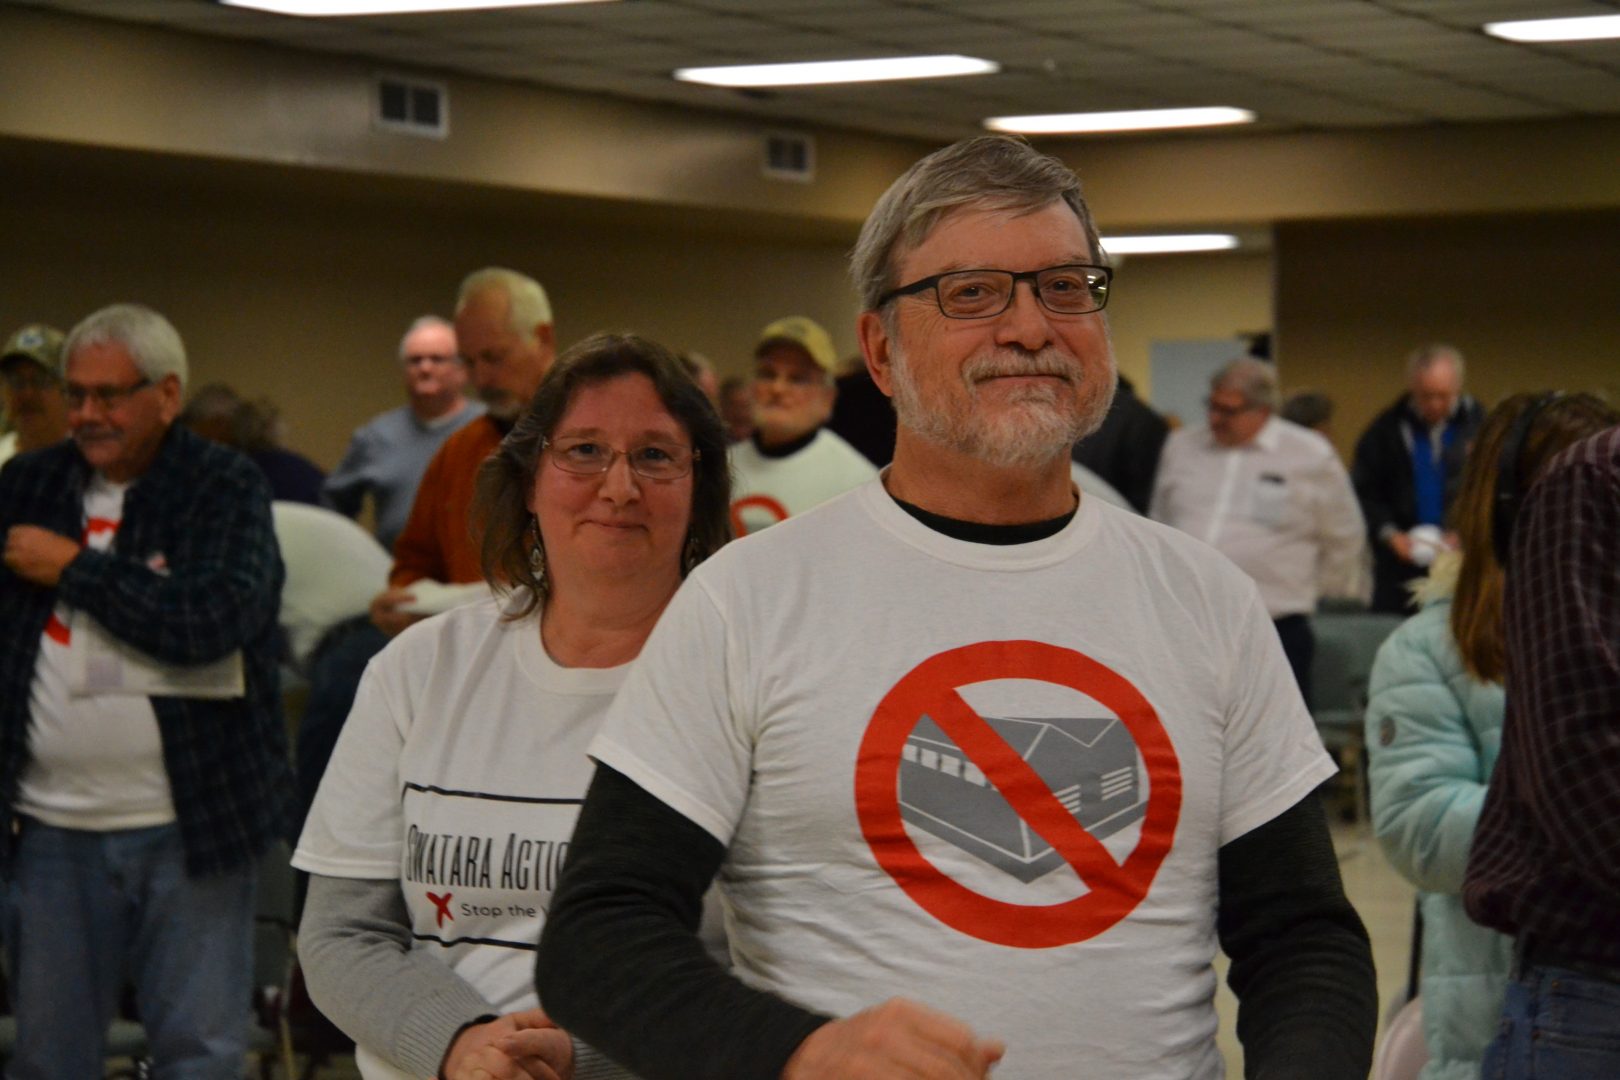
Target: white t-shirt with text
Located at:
point(460, 771)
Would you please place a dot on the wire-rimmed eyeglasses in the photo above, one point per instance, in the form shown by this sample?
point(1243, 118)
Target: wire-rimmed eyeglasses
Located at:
point(592, 457)
point(1071, 289)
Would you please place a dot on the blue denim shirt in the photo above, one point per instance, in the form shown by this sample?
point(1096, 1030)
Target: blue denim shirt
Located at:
point(201, 512)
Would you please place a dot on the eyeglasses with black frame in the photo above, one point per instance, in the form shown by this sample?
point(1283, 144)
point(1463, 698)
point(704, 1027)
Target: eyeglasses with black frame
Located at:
point(584, 456)
point(105, 396)
point(1071, 289)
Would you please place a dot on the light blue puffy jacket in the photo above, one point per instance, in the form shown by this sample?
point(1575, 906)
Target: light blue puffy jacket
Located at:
point(1433, 732)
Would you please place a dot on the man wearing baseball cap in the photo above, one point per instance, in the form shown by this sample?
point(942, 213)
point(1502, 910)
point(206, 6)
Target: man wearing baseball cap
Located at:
point(792, 462)
point(31, 390)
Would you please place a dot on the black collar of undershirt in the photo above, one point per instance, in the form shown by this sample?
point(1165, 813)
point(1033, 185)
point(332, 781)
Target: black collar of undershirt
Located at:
point(786, 449)
point(975, 532)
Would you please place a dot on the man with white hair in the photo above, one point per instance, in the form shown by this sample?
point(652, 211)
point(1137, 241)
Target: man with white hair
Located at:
point(1269, 495)
point(505, 336)
point(388, 454)
point(143, 761)
point(1406, 469)
point(986, 769)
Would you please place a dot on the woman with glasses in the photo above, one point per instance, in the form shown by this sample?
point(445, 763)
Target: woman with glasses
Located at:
point(1434, 722)
point(443, 821)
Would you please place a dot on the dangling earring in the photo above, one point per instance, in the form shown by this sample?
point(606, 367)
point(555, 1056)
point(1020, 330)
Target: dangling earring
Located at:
point(690, 555)
point(537, 556)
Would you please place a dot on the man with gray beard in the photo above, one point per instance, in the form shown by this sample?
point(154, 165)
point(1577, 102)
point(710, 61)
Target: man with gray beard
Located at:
point(986, 770)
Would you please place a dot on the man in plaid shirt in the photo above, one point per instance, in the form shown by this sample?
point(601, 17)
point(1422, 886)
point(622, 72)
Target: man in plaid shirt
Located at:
point(1545, 864)
point(135, 816)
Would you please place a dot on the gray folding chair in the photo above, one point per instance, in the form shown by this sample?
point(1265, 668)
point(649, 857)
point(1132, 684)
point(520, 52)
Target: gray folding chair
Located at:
point(1346, 644)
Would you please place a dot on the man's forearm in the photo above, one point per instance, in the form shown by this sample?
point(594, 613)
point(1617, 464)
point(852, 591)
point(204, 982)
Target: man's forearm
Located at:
point(620, 961)
point(212, 587)
point(1301, 963)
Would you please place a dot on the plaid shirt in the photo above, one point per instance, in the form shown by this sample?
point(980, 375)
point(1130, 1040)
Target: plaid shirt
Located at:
point(1546, 853)
point(193, 575)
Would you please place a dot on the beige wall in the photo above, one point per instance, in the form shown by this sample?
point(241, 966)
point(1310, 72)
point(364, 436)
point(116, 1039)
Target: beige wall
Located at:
point(102, 83)
point(302, 295)
point(1171, 297)
point(296, 284)
point(1530, 300)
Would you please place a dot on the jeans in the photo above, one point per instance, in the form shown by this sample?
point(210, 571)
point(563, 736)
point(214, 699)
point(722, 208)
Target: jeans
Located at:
point(1556, 1025)
point(86, 911)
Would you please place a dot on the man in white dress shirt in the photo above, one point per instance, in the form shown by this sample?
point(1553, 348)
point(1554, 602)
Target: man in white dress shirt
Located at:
point(1271, 496)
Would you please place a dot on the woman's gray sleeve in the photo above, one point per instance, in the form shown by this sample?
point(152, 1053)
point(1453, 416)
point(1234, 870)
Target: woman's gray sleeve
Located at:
point(354, 945)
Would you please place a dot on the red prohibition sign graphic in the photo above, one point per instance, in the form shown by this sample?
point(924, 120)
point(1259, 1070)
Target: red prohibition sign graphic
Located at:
point(932, 688)
point(751, 502)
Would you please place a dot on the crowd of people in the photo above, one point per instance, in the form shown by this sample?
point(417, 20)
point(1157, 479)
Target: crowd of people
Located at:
point(932, 714)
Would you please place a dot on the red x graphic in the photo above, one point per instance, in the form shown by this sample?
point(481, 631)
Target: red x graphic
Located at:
point(443, 904)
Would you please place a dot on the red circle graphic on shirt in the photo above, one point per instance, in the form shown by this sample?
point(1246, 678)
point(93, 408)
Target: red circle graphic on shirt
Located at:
point(931, 689)
point(755, 502)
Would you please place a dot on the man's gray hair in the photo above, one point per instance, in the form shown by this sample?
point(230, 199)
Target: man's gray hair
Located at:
point(527, 298)
point(423, 322)
point(151, 340)
point(1255, 379)
point(1427, 357)
point(991, 172)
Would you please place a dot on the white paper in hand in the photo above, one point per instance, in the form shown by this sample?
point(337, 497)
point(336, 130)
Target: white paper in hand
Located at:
point(101, 664)
point(429, 597)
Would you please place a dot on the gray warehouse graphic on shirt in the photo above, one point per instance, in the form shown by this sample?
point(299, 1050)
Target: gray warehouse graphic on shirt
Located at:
point(1090, 764)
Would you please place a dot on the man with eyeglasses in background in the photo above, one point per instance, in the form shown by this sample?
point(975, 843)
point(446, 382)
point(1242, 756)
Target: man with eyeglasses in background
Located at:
point(388, 454)
point(986, 768)
point(1271, 496)
point(31, 390)
point(143, 760)
point(792, 462)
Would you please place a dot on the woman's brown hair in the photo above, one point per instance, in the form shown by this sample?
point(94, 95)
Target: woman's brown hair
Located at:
point(1558, 422)
point(503, 523)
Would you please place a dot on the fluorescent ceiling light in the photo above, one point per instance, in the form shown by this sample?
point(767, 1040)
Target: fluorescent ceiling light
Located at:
point(1165, 245)
point(1133, 120)
point(1580, 28)
point(386, 7)
point(821, 72)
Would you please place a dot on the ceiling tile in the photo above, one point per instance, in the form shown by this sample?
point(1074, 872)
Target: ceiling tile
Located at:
point(1300, 64)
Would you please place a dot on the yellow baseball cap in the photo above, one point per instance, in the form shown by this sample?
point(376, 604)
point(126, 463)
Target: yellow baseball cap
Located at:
point(807, 334)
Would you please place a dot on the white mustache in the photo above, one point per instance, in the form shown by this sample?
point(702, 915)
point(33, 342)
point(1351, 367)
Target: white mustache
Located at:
point(999, 365)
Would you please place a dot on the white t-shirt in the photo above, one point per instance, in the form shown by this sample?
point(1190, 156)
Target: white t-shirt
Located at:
point(460, 771)
point(806, 698)
point(96, 759)
point(766, 490)
point(334, 569)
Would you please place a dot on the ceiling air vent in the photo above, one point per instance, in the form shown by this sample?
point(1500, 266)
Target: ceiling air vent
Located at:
point(412, 107)
point(790, 157)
